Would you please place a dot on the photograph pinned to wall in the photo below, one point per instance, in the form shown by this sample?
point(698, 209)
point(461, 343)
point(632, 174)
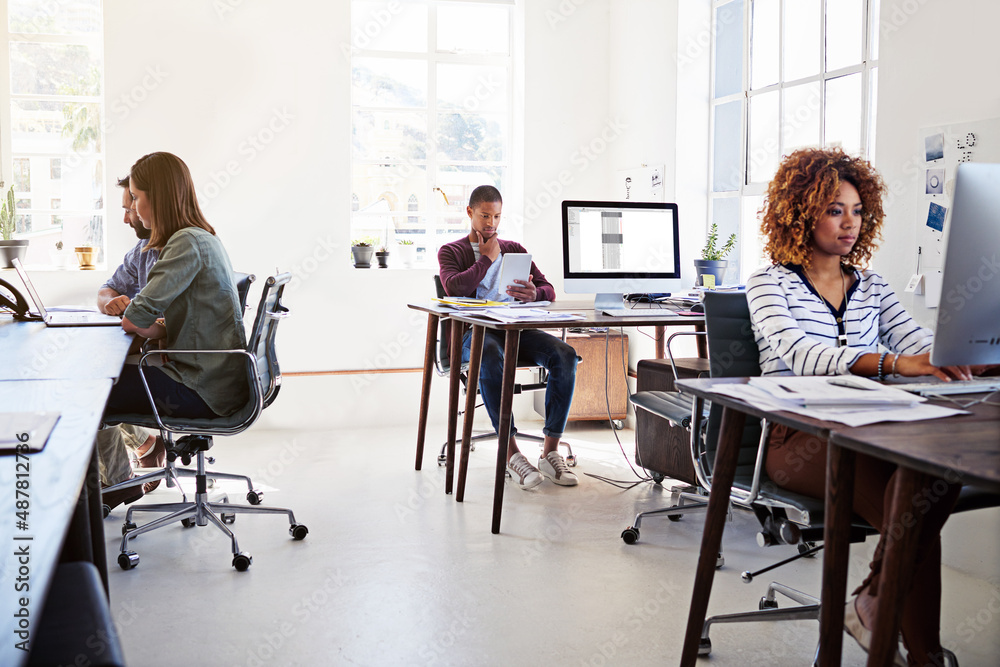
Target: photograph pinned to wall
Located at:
point(935, 217)
point(934, 147)
point(642, 184)
point(934, 184)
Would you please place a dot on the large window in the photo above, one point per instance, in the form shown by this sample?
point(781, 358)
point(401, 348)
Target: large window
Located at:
point(786, 74)
point(432, 93)
point(52, 130)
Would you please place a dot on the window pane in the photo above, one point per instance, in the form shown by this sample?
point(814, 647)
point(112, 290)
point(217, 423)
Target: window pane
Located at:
point(387, 82)
point(457, 29)
point(458, 182)
point(751, 242)
point(802, 43)
point(389, 26)
point(385, 135)
point(873, 113)
point(55, 17)
point(874, 28)
point(764, 151)
point(54, 69)
point(844, 29)
point(726, 214)
point(472, 88)
point(764, 44)
point(463, 137)
point(800, 116)
point(386, 188)
point(727, 147)
point(843, 113)
point(729, 49)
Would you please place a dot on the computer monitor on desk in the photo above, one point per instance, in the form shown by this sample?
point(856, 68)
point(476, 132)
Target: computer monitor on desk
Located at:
point(614, 248)
point(968, 323)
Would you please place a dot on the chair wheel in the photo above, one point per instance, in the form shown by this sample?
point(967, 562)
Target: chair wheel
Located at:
point(704, 646)
point(127, 526)
point(720, 561)
point(105, 511)
point(255, 497)
point(189, 523)
point(442, 460)
point(228, 518)
point(298, 531)
point(127, 560)
point(630, 535)
point(675, 517)
point(571, 460)
point(617, 424)
point(803, 547)
point(767, 604)
point(242, 561)
point(657, 477)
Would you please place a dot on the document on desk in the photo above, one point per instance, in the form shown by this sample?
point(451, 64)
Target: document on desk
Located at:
point(808, 396)
point(513, 315)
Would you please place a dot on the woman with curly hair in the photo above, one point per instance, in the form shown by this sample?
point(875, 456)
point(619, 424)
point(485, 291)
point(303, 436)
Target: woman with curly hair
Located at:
point(817, 310)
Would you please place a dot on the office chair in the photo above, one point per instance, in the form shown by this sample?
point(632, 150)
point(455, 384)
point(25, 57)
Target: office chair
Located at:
point(170, 472)
point(442, 367)
point(196, 436)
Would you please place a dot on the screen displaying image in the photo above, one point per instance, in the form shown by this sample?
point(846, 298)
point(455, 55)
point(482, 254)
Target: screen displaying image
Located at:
point(621, 240)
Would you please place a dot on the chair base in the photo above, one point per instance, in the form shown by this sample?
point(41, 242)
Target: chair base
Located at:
point(201, 512)
point(443, 456)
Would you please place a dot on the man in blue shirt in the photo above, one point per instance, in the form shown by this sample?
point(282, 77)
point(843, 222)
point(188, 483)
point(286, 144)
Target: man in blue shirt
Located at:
point(113, 297)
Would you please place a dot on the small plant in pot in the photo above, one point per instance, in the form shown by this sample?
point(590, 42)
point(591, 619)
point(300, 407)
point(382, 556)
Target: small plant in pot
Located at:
point(383, 257)
point(362, 250)
point(9, 246)
point(407, 252)
point(713, 260)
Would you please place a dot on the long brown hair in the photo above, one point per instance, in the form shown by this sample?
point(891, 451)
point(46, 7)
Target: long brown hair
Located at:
point(805, 184)
point(167, 182)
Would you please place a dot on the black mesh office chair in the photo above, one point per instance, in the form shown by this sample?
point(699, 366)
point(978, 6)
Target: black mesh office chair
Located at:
point(264, 380)
point(442, 366)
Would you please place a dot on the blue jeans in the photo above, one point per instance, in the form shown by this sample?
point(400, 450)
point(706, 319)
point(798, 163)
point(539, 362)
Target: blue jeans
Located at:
point(172, 398)
point(536, 348)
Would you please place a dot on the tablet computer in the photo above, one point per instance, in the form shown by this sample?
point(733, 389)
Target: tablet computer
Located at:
point(516, 266)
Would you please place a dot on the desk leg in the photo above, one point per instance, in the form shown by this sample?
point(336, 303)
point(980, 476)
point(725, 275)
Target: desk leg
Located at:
point(701, 340)
point(724, 470)
point(475, 357)
point(836, 550)
point(899, 558)
point(660, 341)
point(454, 380)
point(425, 386)
point(511, 341)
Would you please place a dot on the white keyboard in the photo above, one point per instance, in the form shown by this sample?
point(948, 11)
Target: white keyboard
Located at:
point(939, 388)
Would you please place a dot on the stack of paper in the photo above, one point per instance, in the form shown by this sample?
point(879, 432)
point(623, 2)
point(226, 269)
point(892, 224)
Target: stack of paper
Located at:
point(512, 315)
point(820, 397)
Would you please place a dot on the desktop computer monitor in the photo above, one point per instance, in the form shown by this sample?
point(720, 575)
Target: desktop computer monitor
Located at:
point(615, 248)
point(968, 322)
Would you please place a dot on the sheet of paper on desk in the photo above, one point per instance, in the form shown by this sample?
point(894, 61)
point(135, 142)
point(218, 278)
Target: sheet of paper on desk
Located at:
point(514, 315)
point(851, 416)
point(28, 428)
point(822, 390)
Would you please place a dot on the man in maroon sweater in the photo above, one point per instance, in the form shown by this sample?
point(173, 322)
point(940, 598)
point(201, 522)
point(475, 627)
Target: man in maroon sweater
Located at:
point(470, 266)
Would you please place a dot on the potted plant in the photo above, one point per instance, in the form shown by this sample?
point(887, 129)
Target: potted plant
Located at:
point(407, 252)
point(362, 250)
point(713, 260)
point(9, 246)
point(382, 255)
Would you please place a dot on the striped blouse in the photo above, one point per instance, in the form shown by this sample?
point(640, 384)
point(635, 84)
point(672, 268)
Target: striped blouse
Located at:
point(796, 329)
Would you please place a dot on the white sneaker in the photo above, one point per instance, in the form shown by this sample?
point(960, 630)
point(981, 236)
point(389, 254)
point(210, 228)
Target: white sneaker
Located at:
point(522, 472)
point(553, 466)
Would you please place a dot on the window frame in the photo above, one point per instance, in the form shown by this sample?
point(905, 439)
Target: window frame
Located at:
point(749, 243)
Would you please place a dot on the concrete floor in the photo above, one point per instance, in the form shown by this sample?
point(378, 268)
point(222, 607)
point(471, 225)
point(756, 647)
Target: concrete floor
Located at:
point(394, 572)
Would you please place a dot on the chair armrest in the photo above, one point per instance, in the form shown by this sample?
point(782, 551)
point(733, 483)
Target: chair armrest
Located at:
point(673, 365)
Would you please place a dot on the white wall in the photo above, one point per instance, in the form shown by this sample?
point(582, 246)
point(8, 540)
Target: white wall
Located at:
point(936, 66)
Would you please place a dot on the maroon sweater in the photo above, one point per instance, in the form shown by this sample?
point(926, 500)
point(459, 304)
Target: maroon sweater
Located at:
point(461, 273)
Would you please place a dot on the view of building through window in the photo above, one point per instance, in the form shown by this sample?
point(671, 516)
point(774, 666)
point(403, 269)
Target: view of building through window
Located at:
point(55, 138)
point(787, 74)
point(431, 103)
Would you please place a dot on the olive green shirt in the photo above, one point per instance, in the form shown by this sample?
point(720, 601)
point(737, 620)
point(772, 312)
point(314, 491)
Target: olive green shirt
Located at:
point(192, 285)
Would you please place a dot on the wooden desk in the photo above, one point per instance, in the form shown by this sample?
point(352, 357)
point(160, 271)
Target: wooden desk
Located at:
point(966, 445)
point(69, 371)
point(512, 335)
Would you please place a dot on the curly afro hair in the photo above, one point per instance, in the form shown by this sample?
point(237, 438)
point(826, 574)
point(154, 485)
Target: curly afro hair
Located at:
point(798, 196)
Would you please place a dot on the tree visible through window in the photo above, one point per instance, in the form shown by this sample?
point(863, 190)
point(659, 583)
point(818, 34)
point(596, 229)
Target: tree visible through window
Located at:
point(431, 100)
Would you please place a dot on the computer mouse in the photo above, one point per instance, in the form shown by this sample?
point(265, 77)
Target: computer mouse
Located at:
point(698, 308)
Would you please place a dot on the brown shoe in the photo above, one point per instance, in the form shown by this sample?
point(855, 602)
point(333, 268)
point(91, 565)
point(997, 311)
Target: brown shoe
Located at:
point(115, 498)
point(155, 457)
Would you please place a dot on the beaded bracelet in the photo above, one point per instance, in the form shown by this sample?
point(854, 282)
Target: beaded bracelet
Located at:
point(881, 366)
point(894, 360)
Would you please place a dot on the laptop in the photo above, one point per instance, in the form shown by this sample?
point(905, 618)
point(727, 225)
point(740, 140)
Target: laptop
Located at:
point(63, 319)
